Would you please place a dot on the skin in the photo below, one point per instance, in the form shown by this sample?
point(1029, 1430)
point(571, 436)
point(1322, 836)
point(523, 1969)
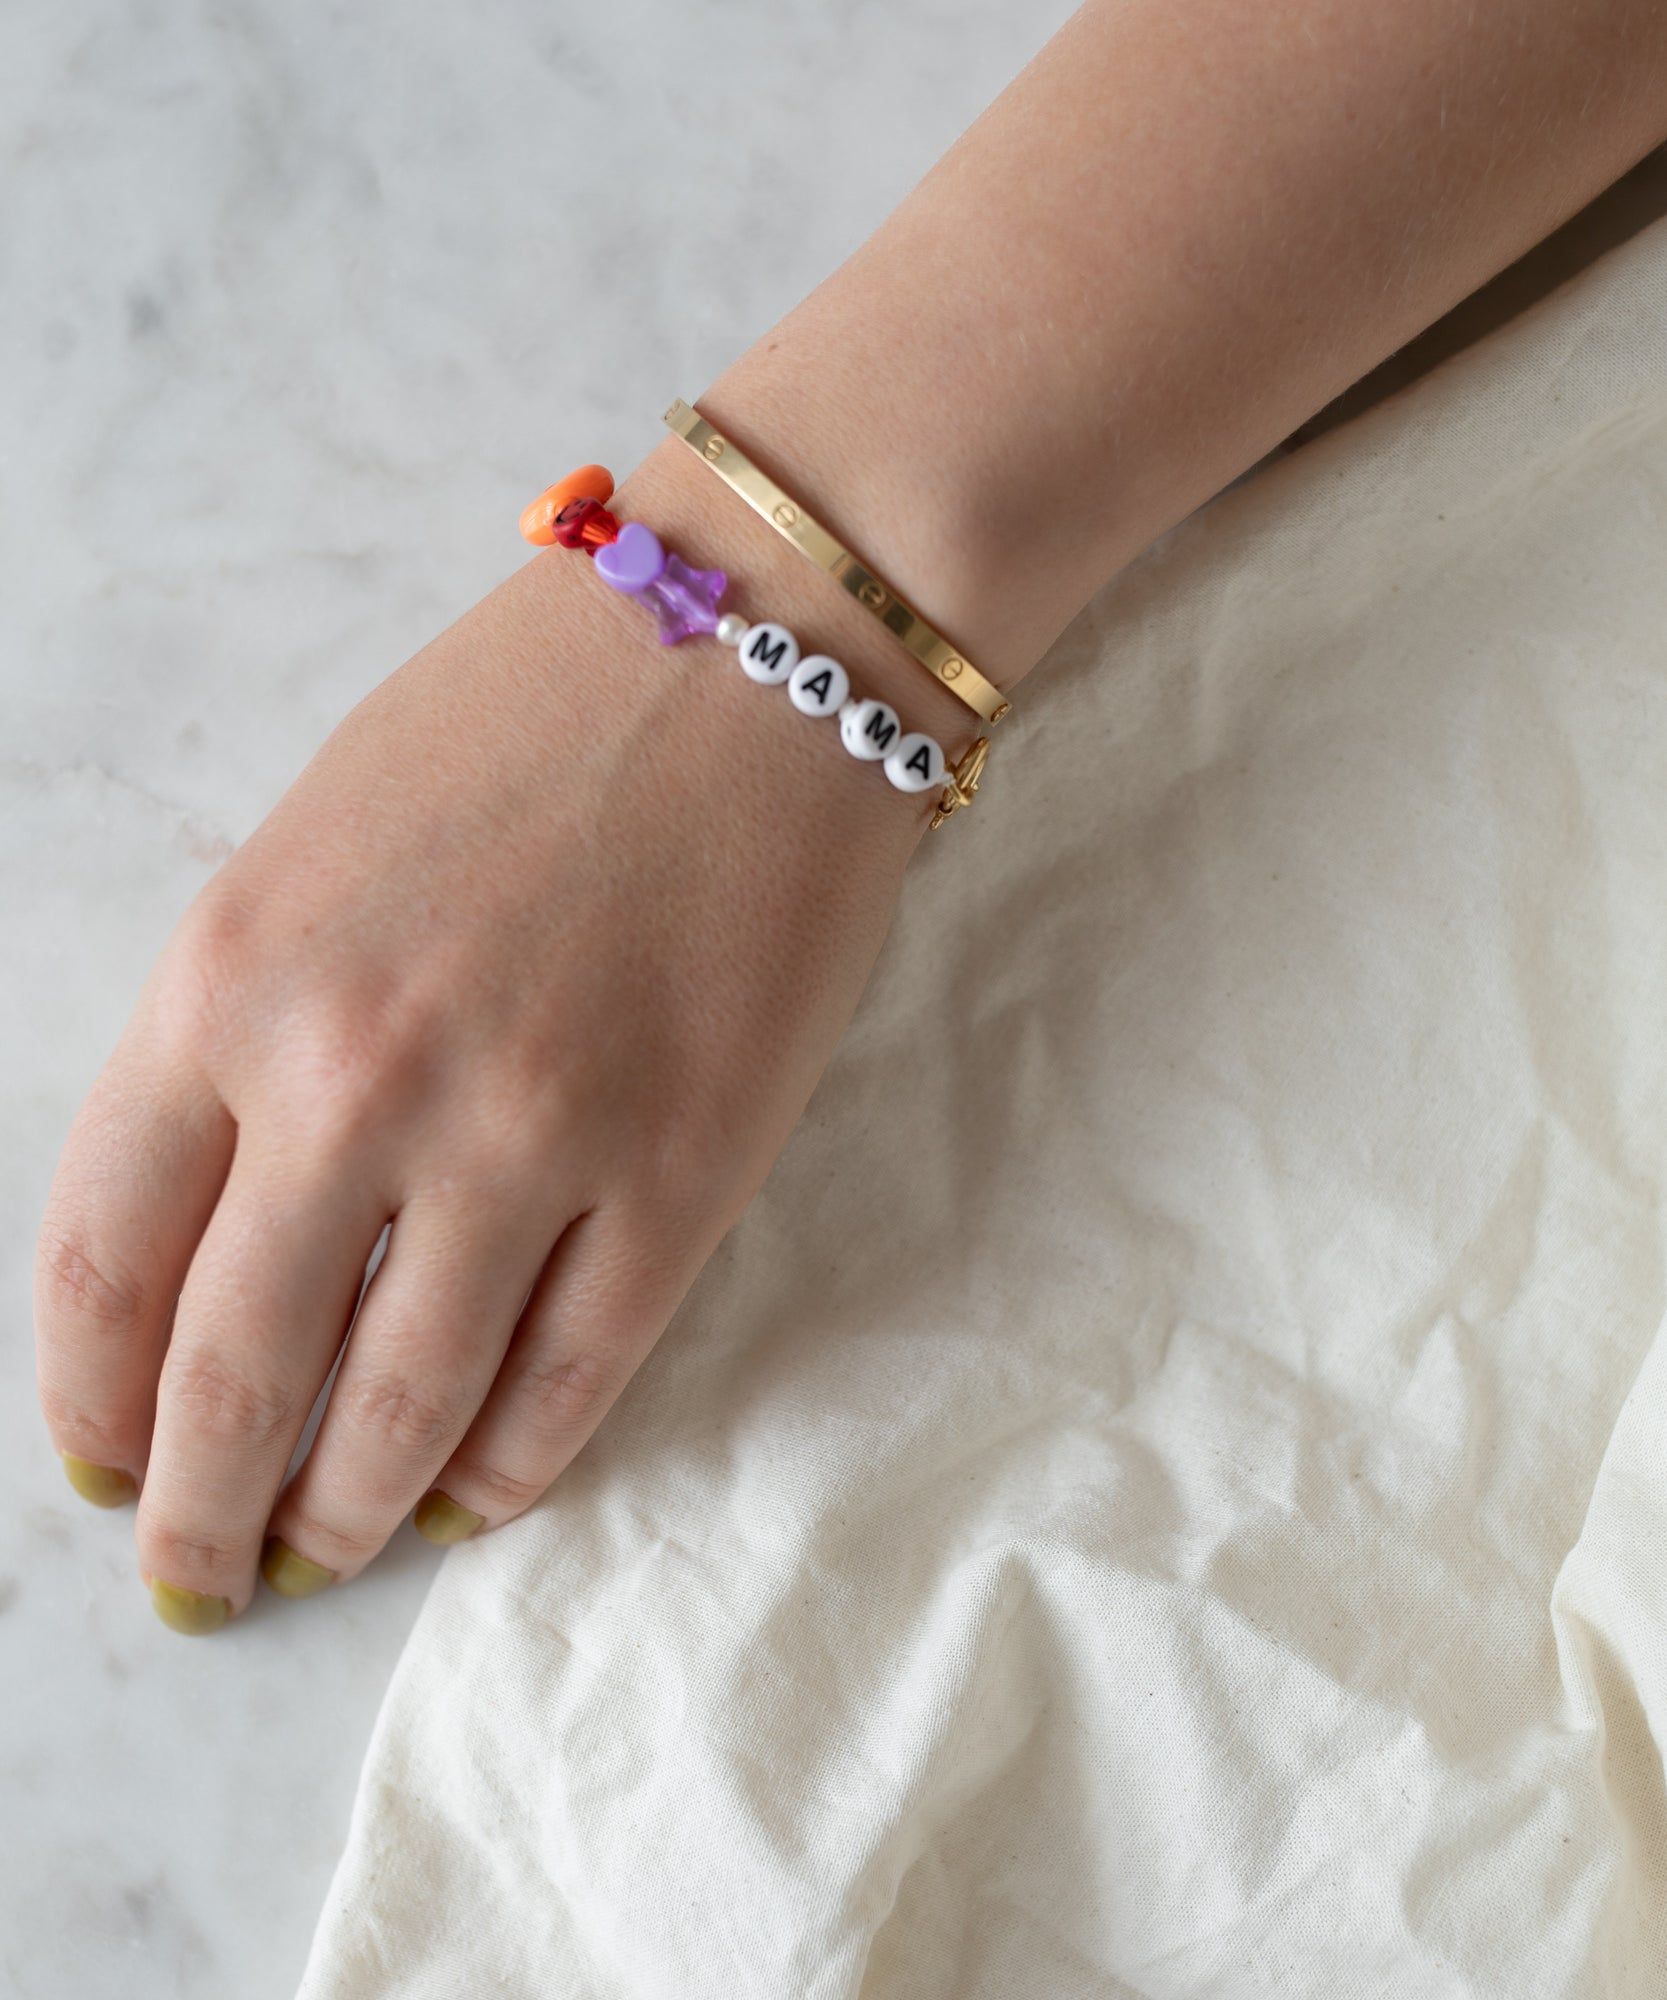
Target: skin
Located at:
point(541, 957)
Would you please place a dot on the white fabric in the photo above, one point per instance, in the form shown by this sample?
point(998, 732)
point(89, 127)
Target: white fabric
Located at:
point(1163, 1493)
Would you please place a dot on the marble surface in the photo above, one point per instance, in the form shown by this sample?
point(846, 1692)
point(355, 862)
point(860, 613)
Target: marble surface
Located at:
point(299, 305)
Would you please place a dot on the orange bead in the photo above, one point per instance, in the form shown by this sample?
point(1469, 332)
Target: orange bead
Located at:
point(590, 482)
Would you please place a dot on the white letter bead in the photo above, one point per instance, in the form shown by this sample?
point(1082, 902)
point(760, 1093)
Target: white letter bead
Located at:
point(732, 629)
point(769, 653)
point(916, 765)
point(869, 729)
point(819, 685)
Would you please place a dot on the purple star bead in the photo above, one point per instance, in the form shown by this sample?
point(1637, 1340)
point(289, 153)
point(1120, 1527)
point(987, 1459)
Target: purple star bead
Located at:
point(685, 600)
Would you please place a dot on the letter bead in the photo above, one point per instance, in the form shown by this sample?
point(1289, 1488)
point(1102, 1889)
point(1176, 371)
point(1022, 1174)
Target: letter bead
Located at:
point(869, 729)
point(769, 653)
point(819, 685)
point(916, 764)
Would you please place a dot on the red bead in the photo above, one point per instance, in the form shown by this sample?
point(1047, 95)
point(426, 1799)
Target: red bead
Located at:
point(598, 531)
point(584, 524)
point(590, 482)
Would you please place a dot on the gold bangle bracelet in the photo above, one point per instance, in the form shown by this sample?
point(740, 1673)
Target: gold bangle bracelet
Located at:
point(761, 493)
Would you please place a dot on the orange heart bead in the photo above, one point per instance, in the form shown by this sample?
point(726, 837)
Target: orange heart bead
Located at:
point(590, 482)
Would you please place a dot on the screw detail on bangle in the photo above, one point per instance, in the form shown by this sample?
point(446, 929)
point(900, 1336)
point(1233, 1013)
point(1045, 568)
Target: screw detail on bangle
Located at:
point(791, 520)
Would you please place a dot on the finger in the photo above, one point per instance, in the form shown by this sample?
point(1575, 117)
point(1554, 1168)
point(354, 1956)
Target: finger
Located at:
point(260, 1321)
point(140, 1173)
point(428, 1340)
point(600, 1305)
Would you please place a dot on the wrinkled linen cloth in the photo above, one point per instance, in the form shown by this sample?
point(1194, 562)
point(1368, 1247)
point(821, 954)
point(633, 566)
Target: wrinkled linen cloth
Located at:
point(1163, 1493)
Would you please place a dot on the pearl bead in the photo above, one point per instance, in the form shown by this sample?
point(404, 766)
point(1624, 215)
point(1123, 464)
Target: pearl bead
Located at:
point(916, 764)
point(819, 685)
point(868, 729)
point(732, 628)
point(769, 653)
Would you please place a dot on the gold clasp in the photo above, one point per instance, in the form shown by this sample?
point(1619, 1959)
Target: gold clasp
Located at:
point(963, 783)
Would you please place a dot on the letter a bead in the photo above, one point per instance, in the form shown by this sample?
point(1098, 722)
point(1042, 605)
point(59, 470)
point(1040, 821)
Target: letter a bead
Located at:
point(769, 653)
point(916, 764)
point(819, 685)
point(869, 730)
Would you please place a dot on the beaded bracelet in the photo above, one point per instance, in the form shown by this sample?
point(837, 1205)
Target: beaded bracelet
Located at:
point(631, 559)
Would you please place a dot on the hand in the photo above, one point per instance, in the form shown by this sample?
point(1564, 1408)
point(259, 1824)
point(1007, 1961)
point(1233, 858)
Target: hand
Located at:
point(539, 961)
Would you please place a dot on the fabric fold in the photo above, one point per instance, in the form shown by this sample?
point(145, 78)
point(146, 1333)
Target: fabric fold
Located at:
point(1161, 1494)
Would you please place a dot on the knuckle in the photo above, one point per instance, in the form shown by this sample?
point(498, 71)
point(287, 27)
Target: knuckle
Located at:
point(674, 1188)
point(514, 1146)
point(504, 1492)
point(333, 1101)
point(509, 1136)
point(569, 1392)
point(348, 1058)
point(93, 1285)
point(182, 1554)
point(205, 965)
point(185, 1002)
point(227, 1400)
point(393, 1411)
point(545, 1098)
point(217, 928)
point(308, 1532)
point(105, 1437)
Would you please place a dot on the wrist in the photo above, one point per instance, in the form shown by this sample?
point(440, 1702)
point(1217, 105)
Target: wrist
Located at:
point(769, 577)
point(880, 495)
point(703, 519)
point(772, 772)
point(901, 429)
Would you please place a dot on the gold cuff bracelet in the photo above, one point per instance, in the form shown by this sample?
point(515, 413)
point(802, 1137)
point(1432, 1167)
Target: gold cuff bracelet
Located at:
point(761, 493)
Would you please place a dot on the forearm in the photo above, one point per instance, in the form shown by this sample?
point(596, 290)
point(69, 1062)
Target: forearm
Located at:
point(1178, 234)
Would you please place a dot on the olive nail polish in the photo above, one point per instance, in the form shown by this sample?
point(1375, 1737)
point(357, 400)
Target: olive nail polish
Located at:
point(440, 1519)
point(292, 1575)
point(190, 1611)
point(103, 1485)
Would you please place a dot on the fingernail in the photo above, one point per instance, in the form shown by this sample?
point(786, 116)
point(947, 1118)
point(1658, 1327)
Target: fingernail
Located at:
point(291, 1575)
point(189, 1611)
point(440, 1519)
point(103, 1485)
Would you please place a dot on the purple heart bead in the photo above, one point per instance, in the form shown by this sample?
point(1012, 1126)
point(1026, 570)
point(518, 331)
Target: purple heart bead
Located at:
point(633, 561)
